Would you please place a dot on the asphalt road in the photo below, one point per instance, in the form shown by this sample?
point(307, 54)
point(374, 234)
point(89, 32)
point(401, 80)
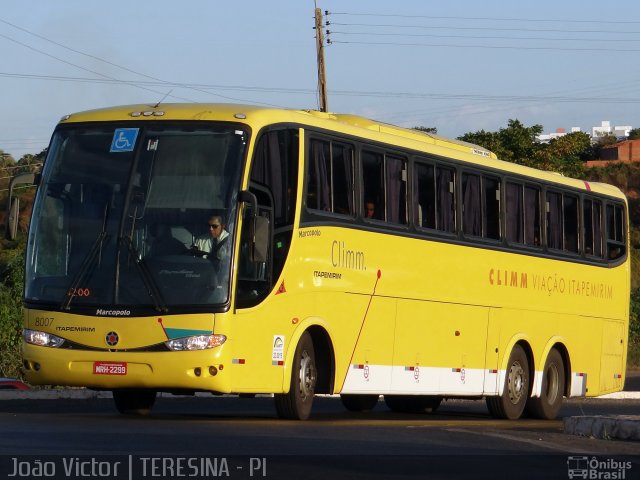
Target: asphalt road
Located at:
point(459, 441)
point(242, 438)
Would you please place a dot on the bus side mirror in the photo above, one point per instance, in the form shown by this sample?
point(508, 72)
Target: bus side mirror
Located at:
point(13, 214)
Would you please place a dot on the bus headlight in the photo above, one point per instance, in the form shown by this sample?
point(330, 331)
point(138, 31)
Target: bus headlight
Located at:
point(42, 339)
point(196, 342)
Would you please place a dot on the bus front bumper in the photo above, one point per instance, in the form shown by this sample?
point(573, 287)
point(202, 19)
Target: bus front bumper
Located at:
point(201, 370)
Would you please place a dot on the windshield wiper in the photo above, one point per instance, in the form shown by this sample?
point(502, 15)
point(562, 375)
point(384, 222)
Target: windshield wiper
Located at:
point(87, 262)
point(147, 278)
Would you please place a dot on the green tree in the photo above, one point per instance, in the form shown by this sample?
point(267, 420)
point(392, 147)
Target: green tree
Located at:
point(515, 143)
point(634, 134)
point(521, 141)
point(488, 140)
point(11, 287)
point(564, 154)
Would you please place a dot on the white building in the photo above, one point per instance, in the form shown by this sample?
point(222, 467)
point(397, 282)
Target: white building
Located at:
point(560, 132)
point(605, 129)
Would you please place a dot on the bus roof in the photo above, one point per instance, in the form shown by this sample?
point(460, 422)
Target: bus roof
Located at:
point(258, 116)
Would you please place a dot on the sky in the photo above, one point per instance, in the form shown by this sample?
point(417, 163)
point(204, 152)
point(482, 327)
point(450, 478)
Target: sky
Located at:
point(459, 66)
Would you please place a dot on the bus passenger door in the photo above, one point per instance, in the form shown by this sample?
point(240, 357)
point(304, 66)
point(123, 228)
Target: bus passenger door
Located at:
point(261, 327)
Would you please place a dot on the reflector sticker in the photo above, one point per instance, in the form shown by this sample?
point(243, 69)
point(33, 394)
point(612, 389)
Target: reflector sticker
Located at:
point(277, 353)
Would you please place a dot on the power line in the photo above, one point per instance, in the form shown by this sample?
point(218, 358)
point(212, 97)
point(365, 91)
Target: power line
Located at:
point(130, 83)
point(500, 47)
point(361, 93)
point(77, 66)
point(473, 37)
point(501, 29)
point(201, 86)
point(497, 19)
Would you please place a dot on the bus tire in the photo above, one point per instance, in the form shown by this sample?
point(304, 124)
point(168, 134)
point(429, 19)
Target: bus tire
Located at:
point(134, 402)
point(511, 403)
point(359, 403)
point(548, 404)
point(412, 403)
point(297, 403)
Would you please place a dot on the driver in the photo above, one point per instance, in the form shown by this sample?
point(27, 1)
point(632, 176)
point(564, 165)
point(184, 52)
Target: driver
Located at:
point(214, 244)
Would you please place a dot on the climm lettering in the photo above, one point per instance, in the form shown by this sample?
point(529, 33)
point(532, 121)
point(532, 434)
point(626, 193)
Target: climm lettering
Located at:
point(344, 257)
point(508, 278)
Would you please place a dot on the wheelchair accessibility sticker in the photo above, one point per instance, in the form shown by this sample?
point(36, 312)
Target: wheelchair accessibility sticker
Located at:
point(124, 140)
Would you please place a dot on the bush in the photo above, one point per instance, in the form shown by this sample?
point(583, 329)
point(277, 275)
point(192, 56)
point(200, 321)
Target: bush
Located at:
point(11, 291)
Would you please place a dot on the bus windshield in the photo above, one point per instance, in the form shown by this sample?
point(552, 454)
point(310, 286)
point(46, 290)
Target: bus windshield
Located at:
point(125, 217)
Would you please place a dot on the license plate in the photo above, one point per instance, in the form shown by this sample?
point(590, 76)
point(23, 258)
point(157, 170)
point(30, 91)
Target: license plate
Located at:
point(110, 368)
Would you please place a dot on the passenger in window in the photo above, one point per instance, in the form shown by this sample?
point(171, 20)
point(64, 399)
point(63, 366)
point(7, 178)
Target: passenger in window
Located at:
point(214, 245)
point(369, 209)
point(614, 252)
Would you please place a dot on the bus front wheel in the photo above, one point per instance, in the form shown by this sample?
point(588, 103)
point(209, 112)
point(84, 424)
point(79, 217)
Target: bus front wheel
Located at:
point(134, 402)
point(511, 403)
point(298, 402)
point(548, 404)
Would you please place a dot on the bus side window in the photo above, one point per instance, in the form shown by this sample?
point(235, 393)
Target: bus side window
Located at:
point(554, 220)
point(425, 188)
point(396, 173)
point(514, 210)
point(592, 210)
point(570, 212)
point(319, 176)
point(342, 178)
point(445, 199)
point(491, 207)
point(330, 177)
point(615, 232)
point(532, 216)
point(471, 205)
point(373, 182)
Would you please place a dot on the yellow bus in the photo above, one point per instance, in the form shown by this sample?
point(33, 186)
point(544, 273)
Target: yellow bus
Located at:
point(234, 249)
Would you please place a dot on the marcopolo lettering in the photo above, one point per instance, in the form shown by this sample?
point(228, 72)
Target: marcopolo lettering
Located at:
point(113, 313)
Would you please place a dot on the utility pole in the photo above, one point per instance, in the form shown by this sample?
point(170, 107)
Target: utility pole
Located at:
point(322, 79)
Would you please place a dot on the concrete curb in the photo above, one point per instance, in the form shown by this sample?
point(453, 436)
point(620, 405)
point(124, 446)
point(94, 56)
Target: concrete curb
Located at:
point(620, 396)
point(620, 427)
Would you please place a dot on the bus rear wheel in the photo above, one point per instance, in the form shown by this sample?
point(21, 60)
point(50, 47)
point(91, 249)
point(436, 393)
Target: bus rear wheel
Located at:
point(511, 403)
point(548, 404)
point(359, 403)
point(412, 403)
point(298, 402)
point(134, 402)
